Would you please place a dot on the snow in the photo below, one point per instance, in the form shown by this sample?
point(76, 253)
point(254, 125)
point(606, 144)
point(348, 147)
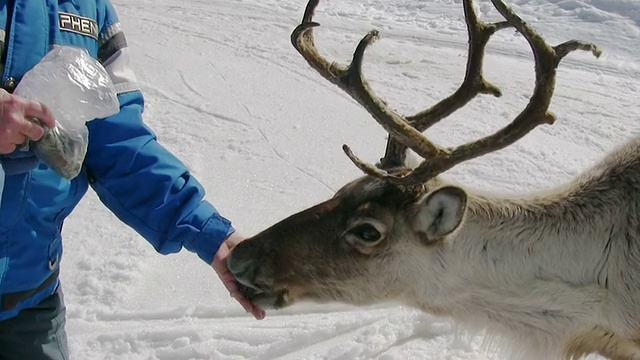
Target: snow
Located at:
point(229, 95)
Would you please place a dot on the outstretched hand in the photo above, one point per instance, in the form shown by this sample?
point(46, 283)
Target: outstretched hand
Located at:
point(220, 266)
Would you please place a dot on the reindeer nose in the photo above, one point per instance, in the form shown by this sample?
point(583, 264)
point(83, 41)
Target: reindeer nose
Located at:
point(241, 267)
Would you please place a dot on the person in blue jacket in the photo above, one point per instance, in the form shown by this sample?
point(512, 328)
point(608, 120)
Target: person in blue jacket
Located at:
point(169, 210)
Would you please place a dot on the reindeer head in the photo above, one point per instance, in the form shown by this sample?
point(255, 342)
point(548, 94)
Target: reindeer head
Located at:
point(357, 236)
point(355, 247)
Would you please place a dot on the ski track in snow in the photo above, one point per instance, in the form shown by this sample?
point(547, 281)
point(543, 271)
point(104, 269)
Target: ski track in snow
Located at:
point(227, 93)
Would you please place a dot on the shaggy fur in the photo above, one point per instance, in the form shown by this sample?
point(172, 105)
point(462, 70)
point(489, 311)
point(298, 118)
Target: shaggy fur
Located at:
point(557, 274)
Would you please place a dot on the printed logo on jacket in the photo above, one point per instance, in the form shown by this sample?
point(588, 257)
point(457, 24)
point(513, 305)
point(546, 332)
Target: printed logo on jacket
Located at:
point(79, 25)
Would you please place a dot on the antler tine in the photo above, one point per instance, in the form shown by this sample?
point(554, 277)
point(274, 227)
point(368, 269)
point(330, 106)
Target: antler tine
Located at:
point(547, 59)
point(473, 84)
point(349, 79)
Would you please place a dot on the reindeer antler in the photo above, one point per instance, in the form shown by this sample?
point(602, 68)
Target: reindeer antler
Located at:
point(406, 132)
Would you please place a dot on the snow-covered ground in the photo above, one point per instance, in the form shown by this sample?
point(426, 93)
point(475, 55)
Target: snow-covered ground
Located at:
point(227, 93)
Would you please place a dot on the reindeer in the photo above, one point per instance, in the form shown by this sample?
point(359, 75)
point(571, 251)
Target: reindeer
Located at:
point(556, 273)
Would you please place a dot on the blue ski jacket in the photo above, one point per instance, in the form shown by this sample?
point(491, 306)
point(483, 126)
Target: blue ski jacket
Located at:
point(143, 184)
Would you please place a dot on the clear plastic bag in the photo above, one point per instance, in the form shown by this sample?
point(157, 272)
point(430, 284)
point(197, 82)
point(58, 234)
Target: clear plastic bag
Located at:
point(77, 89)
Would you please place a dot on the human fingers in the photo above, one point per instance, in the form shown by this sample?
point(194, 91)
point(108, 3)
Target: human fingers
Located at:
point(36, 110)
point(10, 144)
point(31, 129)
point(228, 280)
point(12, 132)
point(19, 129)
point(249, 307)
point(20, 120)
point(231, 285)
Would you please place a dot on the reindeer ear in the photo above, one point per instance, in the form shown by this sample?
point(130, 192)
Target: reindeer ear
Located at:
point(440, 212)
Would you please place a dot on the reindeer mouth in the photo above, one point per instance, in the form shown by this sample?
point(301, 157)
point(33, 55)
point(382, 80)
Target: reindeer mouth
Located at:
point(266, 299)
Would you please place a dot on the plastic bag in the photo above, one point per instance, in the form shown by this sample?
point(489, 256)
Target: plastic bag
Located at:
point(77, 89)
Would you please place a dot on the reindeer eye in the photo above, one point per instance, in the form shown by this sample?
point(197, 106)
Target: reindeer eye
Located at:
point(366, 233)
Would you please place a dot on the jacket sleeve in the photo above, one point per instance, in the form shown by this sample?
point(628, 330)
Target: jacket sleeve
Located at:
point(140, 181)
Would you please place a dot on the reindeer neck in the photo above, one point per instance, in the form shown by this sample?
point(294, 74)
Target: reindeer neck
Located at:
point(521, 265)
point(518, 266)
point(537, 237)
